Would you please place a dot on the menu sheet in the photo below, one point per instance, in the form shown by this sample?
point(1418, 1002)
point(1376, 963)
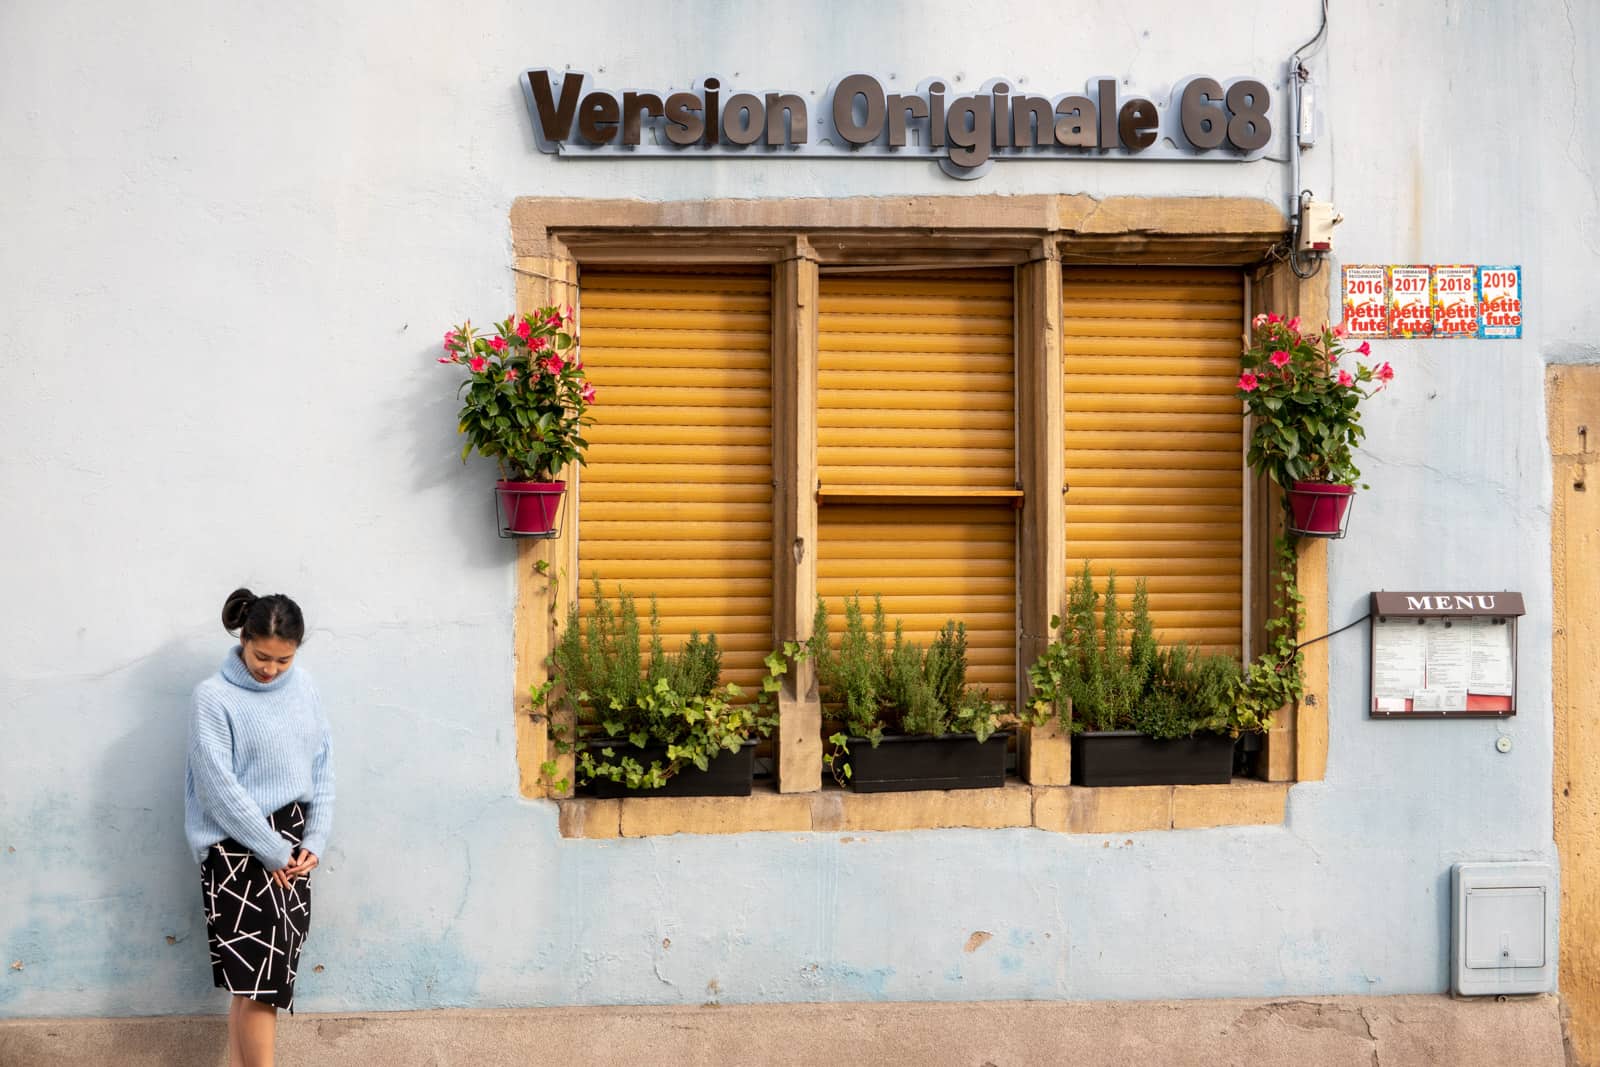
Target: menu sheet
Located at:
point(1436, 663)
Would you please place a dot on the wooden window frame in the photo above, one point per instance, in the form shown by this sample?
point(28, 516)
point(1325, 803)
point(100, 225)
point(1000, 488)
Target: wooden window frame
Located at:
point(555, 238)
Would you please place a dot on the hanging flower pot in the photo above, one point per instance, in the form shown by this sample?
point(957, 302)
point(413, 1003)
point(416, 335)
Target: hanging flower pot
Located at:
point(524, 403)
point(1319, 509)
point(529, 508)
point(1304, 400)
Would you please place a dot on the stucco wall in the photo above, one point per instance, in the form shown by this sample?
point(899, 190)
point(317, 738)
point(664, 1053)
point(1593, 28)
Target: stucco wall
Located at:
point(231, 244)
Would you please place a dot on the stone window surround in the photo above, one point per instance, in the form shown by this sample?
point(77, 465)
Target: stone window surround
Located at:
point(554, 237)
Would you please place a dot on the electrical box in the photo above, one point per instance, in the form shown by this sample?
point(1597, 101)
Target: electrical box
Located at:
point(1317, 220)
point(1503, 929)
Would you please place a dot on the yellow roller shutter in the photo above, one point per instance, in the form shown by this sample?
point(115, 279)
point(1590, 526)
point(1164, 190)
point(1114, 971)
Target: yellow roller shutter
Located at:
point(1154, 441)
point(916, 398)
point(915, 381)
point(676, 500)
point(930, 564)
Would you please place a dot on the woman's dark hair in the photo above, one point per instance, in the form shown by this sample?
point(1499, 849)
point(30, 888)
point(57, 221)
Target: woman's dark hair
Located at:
point(253, 617)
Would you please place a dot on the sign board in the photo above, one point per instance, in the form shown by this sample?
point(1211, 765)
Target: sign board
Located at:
point(1500, 302)
point(1444, 655)
point(864, 116)
point(1366, 295)
point(1455, 301)
point(1408, 301)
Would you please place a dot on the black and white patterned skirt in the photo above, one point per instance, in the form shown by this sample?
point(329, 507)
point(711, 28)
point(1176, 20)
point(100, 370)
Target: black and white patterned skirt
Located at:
point(255, 926)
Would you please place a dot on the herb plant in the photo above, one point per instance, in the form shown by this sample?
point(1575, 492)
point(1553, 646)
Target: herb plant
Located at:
point(879, 686)
point(1106, 673)
point(670, 699)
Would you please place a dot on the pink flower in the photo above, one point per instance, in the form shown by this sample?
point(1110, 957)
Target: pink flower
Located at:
point(1248, 382)
point(477, 364)
point(1385, 373)
point(1294, 324)
point(1333, 357)
point(538, 344)
point(450, 338)
point(1280, 358)
point(497, 343)
point(1345, 379)
point(447, 359)
point(553, 319)
point(1339, 330)
point(1259, 321)
point(587, 394)
point(511, 374)
point(1274, 317)
point(554, 364)
point(1365, 349)
point(524, 329)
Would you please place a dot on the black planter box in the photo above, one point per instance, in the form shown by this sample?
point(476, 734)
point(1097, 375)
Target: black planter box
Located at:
point(954, 761)
point(1126, 757)
point(727, 774)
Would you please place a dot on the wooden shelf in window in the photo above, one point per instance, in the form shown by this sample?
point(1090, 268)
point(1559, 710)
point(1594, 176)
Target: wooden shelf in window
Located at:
point(920, 495)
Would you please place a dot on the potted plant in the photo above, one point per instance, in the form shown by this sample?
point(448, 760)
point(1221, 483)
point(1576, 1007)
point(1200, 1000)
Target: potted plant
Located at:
point(1139, 713)
point(656, 725)
point(524, 405)
point(1306, 418)
point(906, 718)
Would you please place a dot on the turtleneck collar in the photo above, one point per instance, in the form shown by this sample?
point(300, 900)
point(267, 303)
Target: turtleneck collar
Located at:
point(234, 670)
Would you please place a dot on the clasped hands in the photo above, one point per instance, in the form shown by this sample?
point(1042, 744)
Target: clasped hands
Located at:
point(301, 864)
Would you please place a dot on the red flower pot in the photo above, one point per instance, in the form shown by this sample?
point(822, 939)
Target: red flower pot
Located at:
point(1318, 508)
point(529, 507)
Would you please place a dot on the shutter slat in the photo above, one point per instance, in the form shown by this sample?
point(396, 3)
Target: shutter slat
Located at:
point(701, 400)
point(1153, 428)
point(694, 358)
point(653, 491)
point(969, 419)
point(649, 322)
point(716, 378)
point(676, 500)
point(634, 300)
point(708, 435)
point(1113, 478)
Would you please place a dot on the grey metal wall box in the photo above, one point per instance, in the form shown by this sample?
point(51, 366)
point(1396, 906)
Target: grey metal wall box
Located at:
point(1502, 937)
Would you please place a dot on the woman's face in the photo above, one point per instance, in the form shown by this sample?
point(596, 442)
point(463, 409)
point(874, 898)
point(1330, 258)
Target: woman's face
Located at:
point(267, 657)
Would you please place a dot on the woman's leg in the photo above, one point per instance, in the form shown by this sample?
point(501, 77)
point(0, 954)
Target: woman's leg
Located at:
point(235, 1054)
point(257, 1027)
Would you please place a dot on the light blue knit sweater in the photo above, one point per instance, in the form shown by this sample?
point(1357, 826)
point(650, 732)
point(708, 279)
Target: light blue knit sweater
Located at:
point(254, 747)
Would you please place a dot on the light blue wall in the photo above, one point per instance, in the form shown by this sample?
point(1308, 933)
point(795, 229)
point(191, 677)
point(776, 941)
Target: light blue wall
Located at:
point(231, 245)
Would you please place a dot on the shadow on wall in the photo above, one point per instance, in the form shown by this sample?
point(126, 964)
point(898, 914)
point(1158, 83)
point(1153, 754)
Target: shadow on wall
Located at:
point(151, 930)
point(435, 463)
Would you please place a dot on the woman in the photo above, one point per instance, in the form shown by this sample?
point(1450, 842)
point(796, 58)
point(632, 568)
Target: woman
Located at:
point(258, 806)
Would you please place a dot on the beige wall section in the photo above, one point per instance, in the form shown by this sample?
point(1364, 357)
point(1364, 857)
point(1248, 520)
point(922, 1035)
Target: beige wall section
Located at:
point(1573, 399)
point(547, 571)
point(1297, 746)
point(794, 480)
point(1040, 469)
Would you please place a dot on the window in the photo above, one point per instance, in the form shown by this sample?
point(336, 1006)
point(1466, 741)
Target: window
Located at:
point(921, 402)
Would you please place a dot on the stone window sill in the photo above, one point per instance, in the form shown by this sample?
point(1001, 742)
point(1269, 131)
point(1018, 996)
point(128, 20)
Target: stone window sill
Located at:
point(1057, 809)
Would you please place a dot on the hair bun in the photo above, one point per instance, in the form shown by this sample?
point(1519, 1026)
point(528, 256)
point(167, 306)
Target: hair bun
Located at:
point(236, 608)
